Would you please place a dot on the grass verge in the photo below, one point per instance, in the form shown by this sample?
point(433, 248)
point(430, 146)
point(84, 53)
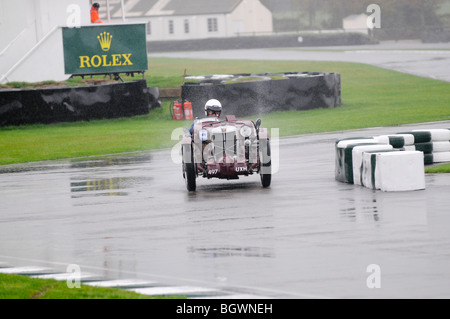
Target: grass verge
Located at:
point(442, 168)
point(371, 97)
point(23, 287)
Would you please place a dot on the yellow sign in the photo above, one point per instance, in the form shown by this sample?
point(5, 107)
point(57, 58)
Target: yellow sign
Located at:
point(105, 41)
point(97, 61)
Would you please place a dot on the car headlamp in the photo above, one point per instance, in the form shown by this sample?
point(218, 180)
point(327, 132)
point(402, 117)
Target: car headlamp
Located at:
point(245, 131)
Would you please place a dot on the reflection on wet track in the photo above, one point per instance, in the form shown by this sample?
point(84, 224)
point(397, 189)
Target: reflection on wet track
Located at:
point(220, 252)
point(115, 186)
point(307, 235)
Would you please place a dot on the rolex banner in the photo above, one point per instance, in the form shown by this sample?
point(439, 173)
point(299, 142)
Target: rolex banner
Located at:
point(105, 49)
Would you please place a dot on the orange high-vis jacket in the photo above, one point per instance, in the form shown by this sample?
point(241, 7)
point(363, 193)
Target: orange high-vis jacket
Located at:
point(95, 18)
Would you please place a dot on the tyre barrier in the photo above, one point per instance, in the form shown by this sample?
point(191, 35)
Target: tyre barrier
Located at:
point(391, 162)
point(250, 94)
point(81, 103)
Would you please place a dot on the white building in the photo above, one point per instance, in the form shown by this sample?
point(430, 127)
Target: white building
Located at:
point(193, 19)
point(356, 23)
point(31, 38)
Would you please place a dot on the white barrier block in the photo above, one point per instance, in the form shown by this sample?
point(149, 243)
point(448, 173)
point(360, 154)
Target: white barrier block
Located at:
point(399, 171)
point(343, 160)
point(441, 157)
point(368, 165)
point(367, 177)
point(346, 142)
point(410, 148)
point(441, 147)
point(357, 155)
point(437, 134)
point(382, 139)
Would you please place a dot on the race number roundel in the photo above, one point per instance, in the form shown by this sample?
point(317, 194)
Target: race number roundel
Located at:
point(203, 135)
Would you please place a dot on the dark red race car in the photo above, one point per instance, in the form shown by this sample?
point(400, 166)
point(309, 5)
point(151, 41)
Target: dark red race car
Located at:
point(226, 150)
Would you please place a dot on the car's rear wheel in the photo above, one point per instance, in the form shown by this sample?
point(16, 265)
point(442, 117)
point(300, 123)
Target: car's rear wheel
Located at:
point(265, 171)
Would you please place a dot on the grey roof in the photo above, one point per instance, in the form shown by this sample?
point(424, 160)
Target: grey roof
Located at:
point(279, 5)
point(176, 7)
point(143, 6)
point(191, 7)
point(140, 8)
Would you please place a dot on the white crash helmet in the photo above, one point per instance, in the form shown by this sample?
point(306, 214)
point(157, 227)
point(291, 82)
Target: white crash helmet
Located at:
point(213, 108)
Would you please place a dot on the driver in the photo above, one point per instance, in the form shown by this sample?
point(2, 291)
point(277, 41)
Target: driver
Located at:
point(212, 108)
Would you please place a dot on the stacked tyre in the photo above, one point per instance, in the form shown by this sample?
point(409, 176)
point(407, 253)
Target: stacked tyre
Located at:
point(435, 144)
point(391, 162)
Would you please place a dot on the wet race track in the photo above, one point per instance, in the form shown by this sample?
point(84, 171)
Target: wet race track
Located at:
point(307, 236)
point(425, 60)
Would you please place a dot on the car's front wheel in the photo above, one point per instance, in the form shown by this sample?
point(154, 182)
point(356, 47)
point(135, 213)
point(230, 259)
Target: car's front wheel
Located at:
point(190, 176)
point(265, 170)
point(189, 171)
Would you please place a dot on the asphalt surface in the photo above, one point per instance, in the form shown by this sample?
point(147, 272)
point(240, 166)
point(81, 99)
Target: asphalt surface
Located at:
point(306, 236)
point(416, 58)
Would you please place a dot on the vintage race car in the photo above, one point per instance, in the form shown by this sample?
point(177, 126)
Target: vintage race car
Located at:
point(226, 150)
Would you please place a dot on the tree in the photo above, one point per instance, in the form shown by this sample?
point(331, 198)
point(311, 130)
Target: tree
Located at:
point(395, 15)
point(309, 7)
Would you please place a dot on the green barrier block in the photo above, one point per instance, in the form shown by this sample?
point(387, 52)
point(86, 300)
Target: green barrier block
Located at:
point(420, 136)
point(428, 159)
point(397, 141)
point(427, 148)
